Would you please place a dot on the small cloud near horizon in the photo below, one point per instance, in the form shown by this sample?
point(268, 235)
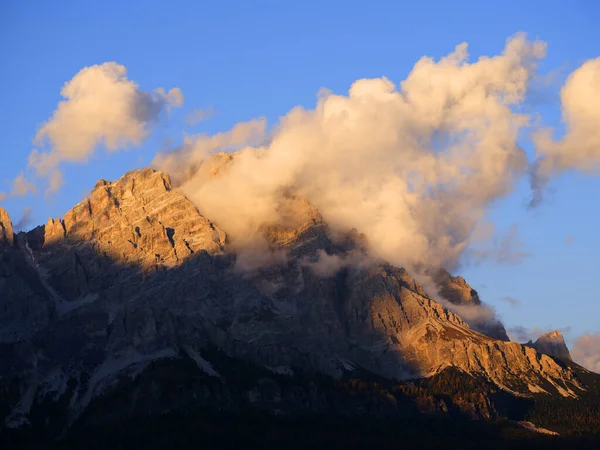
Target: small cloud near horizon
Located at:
point(511, 301)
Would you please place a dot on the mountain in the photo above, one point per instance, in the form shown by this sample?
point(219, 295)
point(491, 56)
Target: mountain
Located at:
point(553, 344)
point(134, 303)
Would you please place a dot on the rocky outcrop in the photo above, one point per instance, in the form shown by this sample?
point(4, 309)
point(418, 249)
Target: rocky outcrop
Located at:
point(551, 343)
point(466, 302)
point(6, 229)
point(134, 273)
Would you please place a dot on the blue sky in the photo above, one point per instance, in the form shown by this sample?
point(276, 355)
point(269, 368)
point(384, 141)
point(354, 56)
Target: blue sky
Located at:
point(250, 59)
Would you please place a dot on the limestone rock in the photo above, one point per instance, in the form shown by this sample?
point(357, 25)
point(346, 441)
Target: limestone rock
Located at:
point(6, 229)
point(553, 344)
point(140, 219)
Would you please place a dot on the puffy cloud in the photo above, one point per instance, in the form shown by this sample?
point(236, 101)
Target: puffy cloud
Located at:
point(579, 148)
point(586, 351)
point(413, 167)
point(101, 106)
point(185, 162)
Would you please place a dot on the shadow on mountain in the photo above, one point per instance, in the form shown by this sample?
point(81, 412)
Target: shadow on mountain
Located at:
point(165, 357)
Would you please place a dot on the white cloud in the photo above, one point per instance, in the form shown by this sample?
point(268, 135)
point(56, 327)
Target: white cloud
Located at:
point(413, 167)
point(586, 351)
point(185, 162)
point(101, 106)
point(579, 148)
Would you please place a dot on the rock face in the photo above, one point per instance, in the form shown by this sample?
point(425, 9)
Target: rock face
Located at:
point(6, 230)
point(553, 344)
point(135, 274)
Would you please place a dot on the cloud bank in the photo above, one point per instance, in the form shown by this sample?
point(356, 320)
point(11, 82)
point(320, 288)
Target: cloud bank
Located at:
point(413, 166)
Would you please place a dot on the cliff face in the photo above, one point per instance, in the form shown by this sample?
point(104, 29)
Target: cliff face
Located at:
point(135, 274)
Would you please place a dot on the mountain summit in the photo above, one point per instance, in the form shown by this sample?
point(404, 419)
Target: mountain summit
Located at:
point(551, 343)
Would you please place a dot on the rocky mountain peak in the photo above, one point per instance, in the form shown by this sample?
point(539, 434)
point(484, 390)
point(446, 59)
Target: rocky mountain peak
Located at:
point(6, 229)
point(137, 219)
point(138, 222)
point(552, 344)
